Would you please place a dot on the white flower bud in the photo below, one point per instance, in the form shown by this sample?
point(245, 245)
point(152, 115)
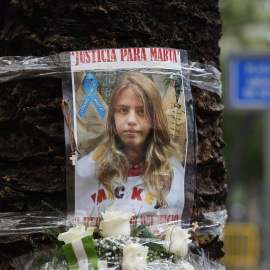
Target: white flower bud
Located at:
point(75, 233)
point(177, 241)
point(115, 223)
point(134, 257)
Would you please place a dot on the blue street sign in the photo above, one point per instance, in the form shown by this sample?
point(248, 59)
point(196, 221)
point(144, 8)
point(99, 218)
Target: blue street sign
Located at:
point(249, 81)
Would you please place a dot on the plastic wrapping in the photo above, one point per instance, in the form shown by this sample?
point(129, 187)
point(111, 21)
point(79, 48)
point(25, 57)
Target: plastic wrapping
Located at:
point(142, 253)
point(30, 222)
point(141, 250)
point(206, 77)
point(17, 223)
point(22, 67)
point(35, 222)
point(176, 78)
point(198, 262)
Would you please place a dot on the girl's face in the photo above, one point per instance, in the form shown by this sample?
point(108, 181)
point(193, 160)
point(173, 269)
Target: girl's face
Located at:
point(132, 125)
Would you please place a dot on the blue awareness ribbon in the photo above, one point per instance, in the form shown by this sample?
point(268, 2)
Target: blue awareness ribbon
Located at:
point(91, 96)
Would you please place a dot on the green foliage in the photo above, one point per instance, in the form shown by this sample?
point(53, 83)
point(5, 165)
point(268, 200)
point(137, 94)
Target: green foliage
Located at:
point(49, 252)
point(244, 11)
point(50, 207)
point(43, 256)
point(245, 24)
point(138, 231)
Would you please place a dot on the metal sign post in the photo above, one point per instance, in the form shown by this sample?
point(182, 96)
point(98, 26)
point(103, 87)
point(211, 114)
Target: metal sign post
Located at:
point(266, 212)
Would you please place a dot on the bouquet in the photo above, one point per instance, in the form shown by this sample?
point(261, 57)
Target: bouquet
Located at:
point(115, 245)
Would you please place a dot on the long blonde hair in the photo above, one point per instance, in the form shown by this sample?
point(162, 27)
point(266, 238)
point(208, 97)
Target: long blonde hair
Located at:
point(157, 172)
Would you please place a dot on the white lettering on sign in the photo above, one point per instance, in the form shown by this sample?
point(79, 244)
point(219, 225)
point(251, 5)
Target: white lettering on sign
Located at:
point(255, 68)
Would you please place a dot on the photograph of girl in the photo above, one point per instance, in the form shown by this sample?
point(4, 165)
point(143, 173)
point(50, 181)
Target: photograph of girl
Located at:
point(137, 167)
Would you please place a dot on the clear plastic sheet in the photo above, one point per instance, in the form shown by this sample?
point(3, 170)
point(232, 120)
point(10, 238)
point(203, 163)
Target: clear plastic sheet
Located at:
point(35, 222)
point(32, 223)
point(26, 262)
point(219, 217)
point(206, 77)
point(110, 250)
point(22, 67)
point(29, 222)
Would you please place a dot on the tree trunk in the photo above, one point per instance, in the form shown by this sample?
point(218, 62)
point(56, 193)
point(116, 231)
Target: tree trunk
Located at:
point(32, 148)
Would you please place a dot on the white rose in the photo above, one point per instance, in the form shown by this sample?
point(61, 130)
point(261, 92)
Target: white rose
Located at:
point(134, 257)
point(177, 241)
point(75, 233)
point(115, 223)
point(102, 265)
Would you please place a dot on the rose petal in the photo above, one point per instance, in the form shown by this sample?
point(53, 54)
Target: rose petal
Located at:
point(102, 265)
point(115, 223)
point(134, 257)
point(109, 215)
point(177, 241)
point(75, 233)
point(115, 227)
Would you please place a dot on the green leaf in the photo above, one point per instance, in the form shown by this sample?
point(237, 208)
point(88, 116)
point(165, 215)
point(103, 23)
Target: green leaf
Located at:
point(147, 234)
point(139, 228)
point(154, 246)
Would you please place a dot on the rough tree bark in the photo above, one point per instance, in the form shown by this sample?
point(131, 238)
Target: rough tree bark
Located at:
point(32, 163)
